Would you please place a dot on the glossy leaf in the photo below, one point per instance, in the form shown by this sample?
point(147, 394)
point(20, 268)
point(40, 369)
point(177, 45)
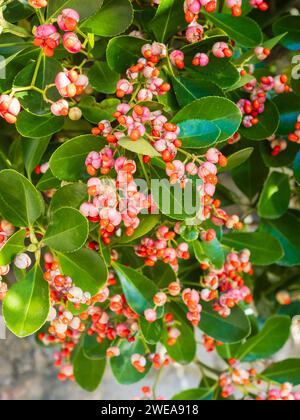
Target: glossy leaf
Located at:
point(94, 350)
point(22, 205)
point(141, 147)
point(71, 195)
point(95, 112)
point(288, 105)
point(14, 246)
point(168, 19)
point(27, 304)
point(151, 331)
point(184, 350)
point(121, 366)
point(267, 125)
point(147, 224)
point(268, 341)
point(275, 197)
point(265, 249)
point(33, 150)
point(34, 126)
point(88, 373)
point(111, 20)
point(227, 330)
point(243, 30)
point(221, 111)
point(237, 159)
point(68, 161)
point(251, 176)
point(211, 251)
point(123, 52)
point(188, 90)
point(289, 25)
point(102, 78)
point(287, 231)
point(55, 7)
point(197, 134)
point(285, 371)
point(68, 230)
point(86, 268)
point(196, 394)
point(138, 289)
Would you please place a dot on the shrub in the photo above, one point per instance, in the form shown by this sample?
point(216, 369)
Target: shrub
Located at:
point(149, 188)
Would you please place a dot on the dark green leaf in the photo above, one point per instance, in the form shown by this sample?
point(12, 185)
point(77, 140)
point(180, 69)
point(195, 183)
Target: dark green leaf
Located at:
point(265, 249)
point(67, 231)
point(275, 197)
point(14, 246)
point(88, 373)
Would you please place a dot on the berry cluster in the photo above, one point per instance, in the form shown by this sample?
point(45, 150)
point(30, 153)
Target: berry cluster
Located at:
point(227, 285)
point(253, 107)
point(113, 202)
point(10, 108)
point(244, 380)
point(48, 38)
point(295, 137)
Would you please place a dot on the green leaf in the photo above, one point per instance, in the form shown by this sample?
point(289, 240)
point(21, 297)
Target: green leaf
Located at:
point(35, 126)
point(88, 373)
point(111, 20)
point(31, 100)
point(251, 176)
point(151, 331)
point(296, 167)
point(285, 158)
point(48, 181)
point(71, 195)
point(55, 7)
point(102, 78)
point(188, 90)
point(275, 197)
point(197, 134)
point(265, 249)
point(173, 201)
point(121, 366)
point(168, 19)
point(221, 72)
point(22, 205)
point(123, 52)
point(161, 274)
point(95, 112)
point(287, 231)
point(27, 304)
point(67, 231)
point(33, 151)
point(184, 350)
point(243, 30)
point(141, 147)
point(268, 341)
point(86, 268)
point(138, 289)
point(14, 246)
point(267, 126)
point(237, 159)
point(94, 350)
point(68, 161)
point(291, 26)
point(221, 111)
point(196, 394)
point(285, 371)
point(147, 224)
point(288, 105)
point(211, 251)
point(227, 330)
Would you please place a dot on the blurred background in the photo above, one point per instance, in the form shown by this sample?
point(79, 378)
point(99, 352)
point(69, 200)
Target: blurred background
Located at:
point(27, 373)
